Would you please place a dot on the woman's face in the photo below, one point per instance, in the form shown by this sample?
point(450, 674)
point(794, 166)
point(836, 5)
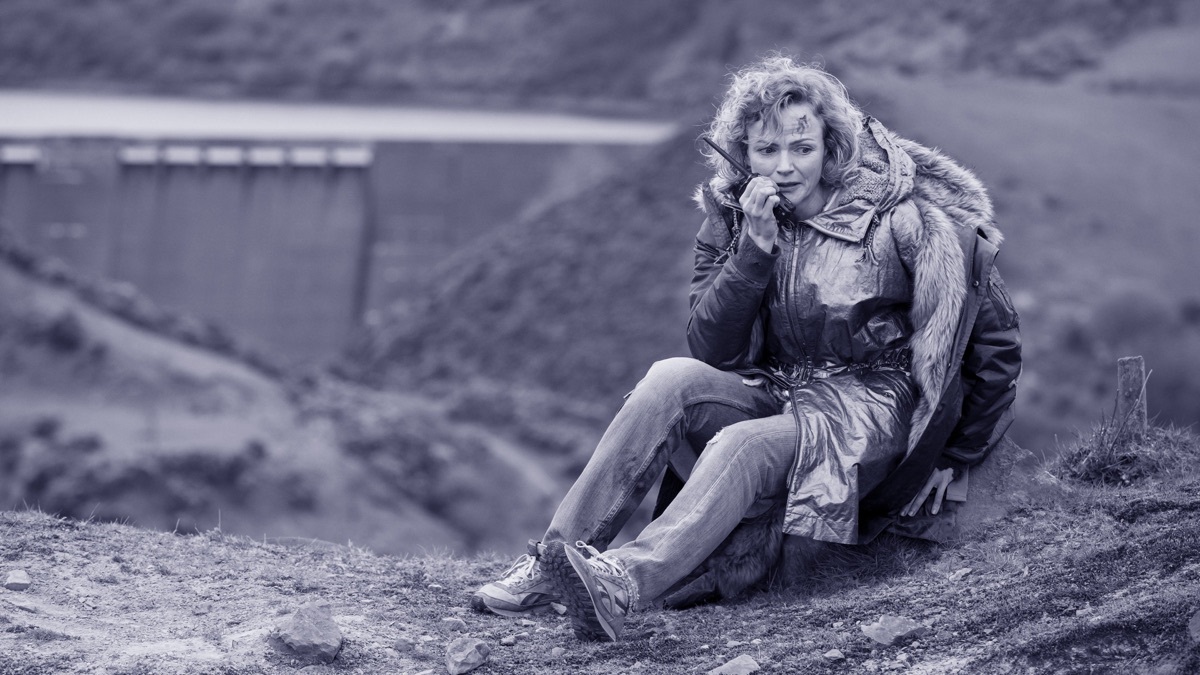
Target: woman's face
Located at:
point(792, 158)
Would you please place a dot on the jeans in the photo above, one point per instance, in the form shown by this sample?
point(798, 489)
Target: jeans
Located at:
point(682, 405)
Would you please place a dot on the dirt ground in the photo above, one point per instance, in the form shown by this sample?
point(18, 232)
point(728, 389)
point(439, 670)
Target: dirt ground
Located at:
point(1105, 582)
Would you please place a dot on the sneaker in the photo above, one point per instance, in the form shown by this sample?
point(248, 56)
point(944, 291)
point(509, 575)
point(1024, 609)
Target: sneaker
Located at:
point(595, 589)
point(523, 590)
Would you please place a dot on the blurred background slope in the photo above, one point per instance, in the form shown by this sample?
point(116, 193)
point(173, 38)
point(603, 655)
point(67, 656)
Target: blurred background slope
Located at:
point(505, 357)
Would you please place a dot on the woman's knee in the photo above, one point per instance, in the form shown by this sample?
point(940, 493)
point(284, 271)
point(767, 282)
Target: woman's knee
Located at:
point(676, 374)
point(734, 439)
point(766, 444)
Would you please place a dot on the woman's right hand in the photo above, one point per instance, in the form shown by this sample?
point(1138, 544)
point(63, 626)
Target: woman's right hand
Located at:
point(758, 202)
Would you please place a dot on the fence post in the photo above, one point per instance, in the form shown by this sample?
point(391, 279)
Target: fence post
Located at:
point(1131, 398)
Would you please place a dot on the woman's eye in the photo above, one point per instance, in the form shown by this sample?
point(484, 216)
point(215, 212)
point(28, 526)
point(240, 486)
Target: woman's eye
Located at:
point(766, 151)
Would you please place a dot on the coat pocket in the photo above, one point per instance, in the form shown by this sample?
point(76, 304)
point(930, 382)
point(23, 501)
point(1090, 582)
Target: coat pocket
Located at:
point(1001, 302)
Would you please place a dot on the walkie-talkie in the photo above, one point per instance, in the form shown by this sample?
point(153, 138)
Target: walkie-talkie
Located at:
point(783, 210)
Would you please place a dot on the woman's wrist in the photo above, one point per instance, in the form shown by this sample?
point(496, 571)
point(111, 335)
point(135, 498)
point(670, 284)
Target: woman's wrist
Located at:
point(766, 242)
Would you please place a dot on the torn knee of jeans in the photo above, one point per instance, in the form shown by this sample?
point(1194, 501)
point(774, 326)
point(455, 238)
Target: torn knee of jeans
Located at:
point(716, 437)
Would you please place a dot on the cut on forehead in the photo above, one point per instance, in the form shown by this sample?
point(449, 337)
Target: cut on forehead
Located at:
point(786, 116)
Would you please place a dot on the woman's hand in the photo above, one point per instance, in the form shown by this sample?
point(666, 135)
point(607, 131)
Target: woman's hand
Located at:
point(758, 201)
point(940, 479)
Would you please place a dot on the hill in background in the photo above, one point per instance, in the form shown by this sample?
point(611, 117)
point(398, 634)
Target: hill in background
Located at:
point(624, 54)
point(111, 410)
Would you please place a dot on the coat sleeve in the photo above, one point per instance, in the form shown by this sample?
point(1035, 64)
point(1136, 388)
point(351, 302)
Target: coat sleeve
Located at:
point(991, 367)
point(724, 329)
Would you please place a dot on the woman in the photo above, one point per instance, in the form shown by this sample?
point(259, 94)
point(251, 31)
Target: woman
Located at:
point(853, 350)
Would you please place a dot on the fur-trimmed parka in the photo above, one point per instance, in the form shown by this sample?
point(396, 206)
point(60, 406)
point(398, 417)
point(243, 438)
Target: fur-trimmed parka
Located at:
point(965, 345)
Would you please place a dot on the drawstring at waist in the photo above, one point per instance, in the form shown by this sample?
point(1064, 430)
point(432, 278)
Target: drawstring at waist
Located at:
point(784, 378)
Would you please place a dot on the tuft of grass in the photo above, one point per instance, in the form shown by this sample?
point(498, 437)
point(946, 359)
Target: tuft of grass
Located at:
point(1104, 457)
point(47, 635)
point(889, 556)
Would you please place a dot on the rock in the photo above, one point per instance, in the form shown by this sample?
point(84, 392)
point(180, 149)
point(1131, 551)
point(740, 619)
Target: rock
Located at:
point(958, 574)
point(466, 654)
point(455, 623)
point(1194, 627)
point(742, 665)
point(404, 644)
point(202, 608)
point(527, 623)
point(508, 641)
point(558, 652)
point(436, 587)
point(311, 631)
point(17, 580)
point(834, 655)
point(890, 629)
point(24, 606)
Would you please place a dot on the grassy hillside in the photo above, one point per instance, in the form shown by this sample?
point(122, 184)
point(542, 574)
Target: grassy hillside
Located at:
point(1103, 580)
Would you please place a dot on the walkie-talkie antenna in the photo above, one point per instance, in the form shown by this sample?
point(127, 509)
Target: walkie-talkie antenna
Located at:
point(745, 171)
point(783, 210)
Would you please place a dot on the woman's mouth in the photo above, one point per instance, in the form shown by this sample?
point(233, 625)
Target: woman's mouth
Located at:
point(786, 186)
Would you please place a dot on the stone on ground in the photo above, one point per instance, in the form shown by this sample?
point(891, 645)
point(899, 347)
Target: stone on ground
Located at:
point(890, 629)
point(466, 654)
point(742, 665)
point(834, 655)
point(1194, 627)
point(311, 632)
point(18, 580)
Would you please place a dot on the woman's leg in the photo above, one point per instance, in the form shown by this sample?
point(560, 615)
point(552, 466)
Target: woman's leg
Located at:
point(741, 473)
point(681, 402)
point(743, 470)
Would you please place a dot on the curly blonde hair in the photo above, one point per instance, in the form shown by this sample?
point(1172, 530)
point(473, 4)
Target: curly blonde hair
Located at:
point(760, 92)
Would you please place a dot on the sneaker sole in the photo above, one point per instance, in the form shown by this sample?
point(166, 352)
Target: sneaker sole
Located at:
point(480, 604)
point(484, 602)
point(573, 593)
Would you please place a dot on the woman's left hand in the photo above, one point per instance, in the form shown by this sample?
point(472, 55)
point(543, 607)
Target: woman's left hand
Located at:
point(940, 479)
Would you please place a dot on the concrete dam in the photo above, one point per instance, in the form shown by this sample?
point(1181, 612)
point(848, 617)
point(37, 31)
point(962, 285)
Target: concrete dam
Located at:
point(288, 223)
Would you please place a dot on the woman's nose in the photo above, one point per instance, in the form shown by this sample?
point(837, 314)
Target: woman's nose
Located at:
point(785, 163)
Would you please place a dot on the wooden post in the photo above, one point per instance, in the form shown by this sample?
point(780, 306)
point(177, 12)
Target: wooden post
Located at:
point(1131, 398)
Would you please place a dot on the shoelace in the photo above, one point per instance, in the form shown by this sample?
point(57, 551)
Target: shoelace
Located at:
point(605, 565)
point(522, 567)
